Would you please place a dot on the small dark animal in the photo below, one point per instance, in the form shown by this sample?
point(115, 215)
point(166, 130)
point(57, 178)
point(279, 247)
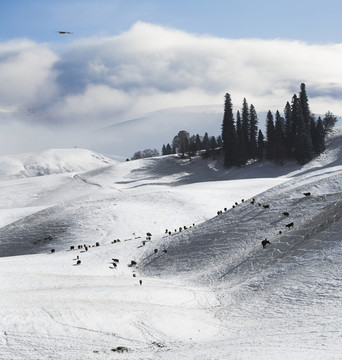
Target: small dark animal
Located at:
point(97, 244)
point(225, 209)
point(134, 275)
point(264, 243)
point(242, 200)
point(115, 264)
point(266, 206)
point(280, 232)
point(285, 213)
point(78, 262)
point(116, 260)
point(164, 251)
point(233, 206)
point(236, 204)
point(148, 234)
point(166, 231)
point(140, 282)
point(86, 247)
point(52, 250)
point(290, 225)
point(169, 232)
point(72, 247)
point(155, 251)
point(307, 194)
point(133, 263)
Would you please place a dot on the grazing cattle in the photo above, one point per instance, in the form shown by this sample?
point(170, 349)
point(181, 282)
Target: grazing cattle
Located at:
point(185, 227)
point(97, 244)
point(148, 238)
point(116, 260)
point(280, 232)
point(166, 231)
point(77, 257)
point(225, 209)
point(118, 240)
point(290, 225)
point(264, 243)
point(242, 200)
point(193, 224)
point(180, 229)
point(233, 206)
point(266, 206)
point(169, 232)
point(133, 263)
point(155, 251)
point(72, 247)
point(164, 251)
point(78, 262)
point(259, 204)
point(307, 194)
point(52, 250)
point(134, 275)
point(140, 282)
point(115, 264)
point(144, 242)
point(236, 203)
point(86, 247)
point(148, 234)
point(285, 213)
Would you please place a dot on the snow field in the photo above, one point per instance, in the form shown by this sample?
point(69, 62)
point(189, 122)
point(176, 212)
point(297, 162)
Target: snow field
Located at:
point(215, 294)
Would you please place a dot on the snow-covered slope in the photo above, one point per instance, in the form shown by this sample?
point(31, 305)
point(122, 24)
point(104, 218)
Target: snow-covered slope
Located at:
point(209, 291)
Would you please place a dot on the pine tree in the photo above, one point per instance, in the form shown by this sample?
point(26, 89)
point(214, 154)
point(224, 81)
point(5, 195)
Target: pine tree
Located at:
point(253, 131)
point(261, 143)
point(270, 136)
point(168, 149)
point(229, 134)
point(304, 104)
point(164, 150)
point(205, 142)
point(320, 137)
point(198, 143)
point(244, 144)
point(289, 135)
point(279, 146)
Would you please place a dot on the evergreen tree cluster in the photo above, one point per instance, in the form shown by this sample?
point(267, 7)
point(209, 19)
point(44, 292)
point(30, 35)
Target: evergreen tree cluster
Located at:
point(185, 144)
point(297, 135)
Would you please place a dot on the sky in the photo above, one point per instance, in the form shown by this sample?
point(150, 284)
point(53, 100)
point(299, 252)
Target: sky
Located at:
point(124, 59)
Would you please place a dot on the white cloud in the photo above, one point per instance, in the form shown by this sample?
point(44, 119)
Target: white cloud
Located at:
point(102, 81)
point(26, 73)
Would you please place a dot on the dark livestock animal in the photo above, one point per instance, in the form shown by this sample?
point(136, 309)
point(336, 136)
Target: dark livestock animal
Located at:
point(264, 243)
point(140, 282)
point(116, 260)
point(52, 250)
point(307, 194)
point(97, 244)
point(133, 263)
point(266, 206)
point(285, 213)
point(72, 247)
point(148, 234)
point(290, 225)
point(155, 251)
point(78, 262)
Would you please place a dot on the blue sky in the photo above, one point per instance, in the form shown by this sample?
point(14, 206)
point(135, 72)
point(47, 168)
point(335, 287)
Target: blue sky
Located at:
point(307, 20)
point(128, 58)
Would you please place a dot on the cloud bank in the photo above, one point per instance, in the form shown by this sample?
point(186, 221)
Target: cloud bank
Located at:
point(96, 82)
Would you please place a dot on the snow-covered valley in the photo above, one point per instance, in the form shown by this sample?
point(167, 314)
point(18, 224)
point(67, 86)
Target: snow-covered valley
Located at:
point(210, 291)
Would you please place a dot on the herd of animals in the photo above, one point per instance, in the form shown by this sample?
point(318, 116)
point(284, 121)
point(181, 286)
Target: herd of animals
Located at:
point(133, 263)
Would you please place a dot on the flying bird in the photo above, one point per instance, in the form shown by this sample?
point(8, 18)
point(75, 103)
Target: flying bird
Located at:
point(64, 32)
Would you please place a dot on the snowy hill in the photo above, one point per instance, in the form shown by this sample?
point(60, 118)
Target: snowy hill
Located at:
point(209, 291)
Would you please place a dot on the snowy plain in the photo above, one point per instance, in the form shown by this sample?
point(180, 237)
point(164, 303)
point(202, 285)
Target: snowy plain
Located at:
point(208, 292)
